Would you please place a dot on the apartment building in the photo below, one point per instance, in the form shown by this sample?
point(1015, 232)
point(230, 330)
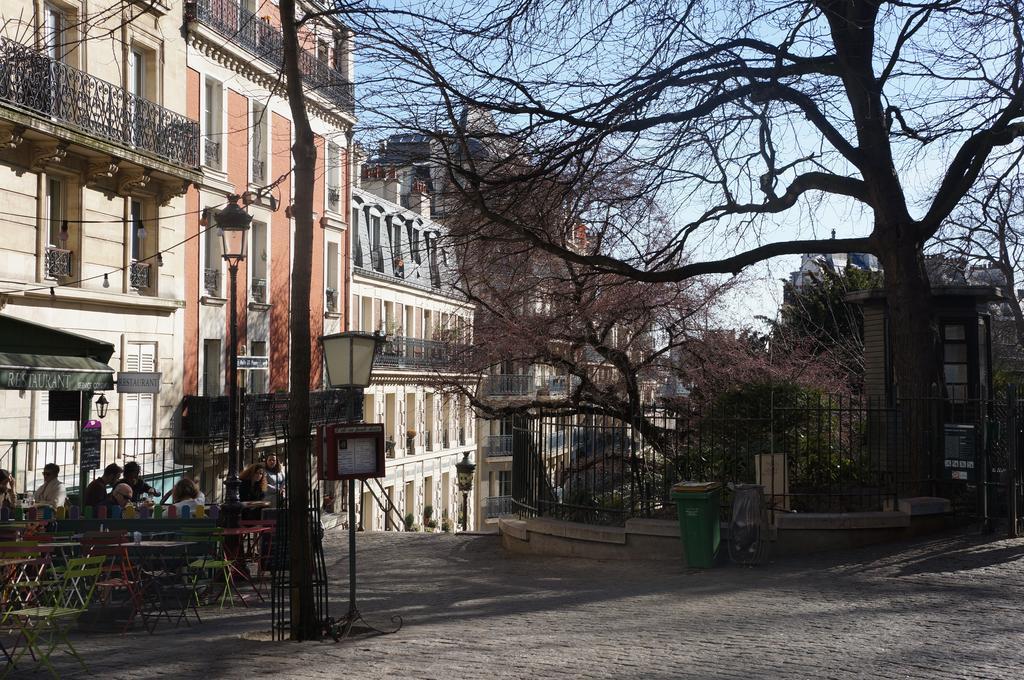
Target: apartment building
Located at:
point(97, 147)
point(401, 287)
point(234, 90)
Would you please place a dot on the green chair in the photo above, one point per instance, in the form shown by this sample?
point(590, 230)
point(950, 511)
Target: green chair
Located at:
point(212, 568)
point(44, 628)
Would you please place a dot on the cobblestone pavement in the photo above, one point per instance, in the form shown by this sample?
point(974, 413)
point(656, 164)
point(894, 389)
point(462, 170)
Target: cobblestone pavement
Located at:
point(943, 608)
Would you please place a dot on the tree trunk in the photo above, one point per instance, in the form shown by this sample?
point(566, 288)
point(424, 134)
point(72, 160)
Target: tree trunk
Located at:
point(917, 365)
point(304, 625)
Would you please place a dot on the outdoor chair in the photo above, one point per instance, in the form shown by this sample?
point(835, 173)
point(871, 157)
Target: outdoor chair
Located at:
point(120, 576)
point(44, 628)
point(212, 568)
point(167, 595)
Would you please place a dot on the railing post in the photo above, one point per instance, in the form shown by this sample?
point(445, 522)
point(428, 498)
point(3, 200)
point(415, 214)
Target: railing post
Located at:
point(1011, 466)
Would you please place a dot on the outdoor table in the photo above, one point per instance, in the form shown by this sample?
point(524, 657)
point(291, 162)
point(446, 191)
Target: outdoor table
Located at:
point(62, 547)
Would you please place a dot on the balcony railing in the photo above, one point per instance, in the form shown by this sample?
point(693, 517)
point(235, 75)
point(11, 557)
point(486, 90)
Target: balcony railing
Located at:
point(462, 436)
point(259, 290)
point(509, 385)
point(244, 28)
point(58, 263)
point(561, 385)
point(259, 169)
point(411, 353)
point(211, 282)
point(33, 81)
point(266, 415)
point(497, 506)
point(211, 153)
point(427, 442)
point(331, 296)
point(333, 198)
point(410, 445)
point(498, 446)
point(138, 275)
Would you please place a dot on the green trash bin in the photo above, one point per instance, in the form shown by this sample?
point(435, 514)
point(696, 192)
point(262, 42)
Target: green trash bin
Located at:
point(697, 505)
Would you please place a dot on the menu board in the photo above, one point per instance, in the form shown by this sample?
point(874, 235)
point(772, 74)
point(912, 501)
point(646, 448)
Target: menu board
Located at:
point(352, 451)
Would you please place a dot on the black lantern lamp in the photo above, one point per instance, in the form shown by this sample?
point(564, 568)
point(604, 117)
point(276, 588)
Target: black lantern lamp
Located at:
point(233, 223)
point(465, 470)
point(101, 406)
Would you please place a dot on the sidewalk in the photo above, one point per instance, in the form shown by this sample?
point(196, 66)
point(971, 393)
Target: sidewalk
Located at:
point(944, 608)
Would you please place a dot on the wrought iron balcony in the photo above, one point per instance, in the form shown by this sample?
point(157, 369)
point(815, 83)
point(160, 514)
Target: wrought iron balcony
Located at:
point(266, 415)
point(333, 198)
point(58, 263)
point(34, 82)
point(561, 385)
point(411, 353)
point(259, 290)
point(259, 169)
point(498, 446)
point(211, 153)
point(211, 282)
point(410, 445)
point(462, 436)
point(509, 385)
point(242, 27)
point(498, 506)
point(331, 297)
point(138, 275)
point(377, 259)
point(427, 443)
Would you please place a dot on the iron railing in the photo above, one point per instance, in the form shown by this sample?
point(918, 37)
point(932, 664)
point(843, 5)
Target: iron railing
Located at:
point(35, 82)
point(265, 415)
point(331, 296)
point(266, 41)
point(211, 153)
point(377, 259)
point(462, 436)
point(427, 442)
point(211, 281)
point(498, 506)
point(561, 385)
point(138, 275)
point(810, 453)
point(259, 170)
point(412, 353)
point(259, 290)
point(410, 445)
point(498, 446)
point(58, 263)
point(509, 385)
point(333, 198)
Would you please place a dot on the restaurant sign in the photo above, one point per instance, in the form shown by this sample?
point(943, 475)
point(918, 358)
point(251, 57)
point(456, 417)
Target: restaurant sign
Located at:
point(68, 374)
point(133, 382)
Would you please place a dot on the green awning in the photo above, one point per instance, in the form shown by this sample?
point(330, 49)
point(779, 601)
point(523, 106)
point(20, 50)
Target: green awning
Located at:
point(37, 357)
point(53, 372)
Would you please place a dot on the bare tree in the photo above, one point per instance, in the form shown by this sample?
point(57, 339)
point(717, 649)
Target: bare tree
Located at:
point(755, 118)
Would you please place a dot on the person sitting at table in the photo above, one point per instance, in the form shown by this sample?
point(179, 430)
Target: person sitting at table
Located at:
point(96, 492)
point(133, 478)
point(120, 497)
point(8, 496)
point(254, 483)
point(186, 492)
point(52, 492)
point(275, 480)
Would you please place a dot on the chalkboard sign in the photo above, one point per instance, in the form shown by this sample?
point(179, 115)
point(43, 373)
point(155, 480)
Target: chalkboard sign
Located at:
point(960, 453)
point(90, 442)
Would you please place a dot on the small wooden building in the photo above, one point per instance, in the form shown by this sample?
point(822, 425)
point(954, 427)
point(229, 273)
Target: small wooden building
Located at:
point(961, 313)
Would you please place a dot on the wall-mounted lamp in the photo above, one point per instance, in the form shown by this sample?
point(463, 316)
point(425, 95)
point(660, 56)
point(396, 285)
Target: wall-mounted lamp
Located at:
point(101, 406)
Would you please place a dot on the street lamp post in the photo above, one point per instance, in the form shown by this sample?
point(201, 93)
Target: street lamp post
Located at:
point(233, 223)
point(464, 470)
point(348, 358)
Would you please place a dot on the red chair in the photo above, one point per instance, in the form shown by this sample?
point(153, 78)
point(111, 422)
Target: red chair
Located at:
point(119, 573)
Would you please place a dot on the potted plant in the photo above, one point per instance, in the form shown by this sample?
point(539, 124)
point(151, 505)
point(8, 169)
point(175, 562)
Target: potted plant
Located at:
point(409, 522)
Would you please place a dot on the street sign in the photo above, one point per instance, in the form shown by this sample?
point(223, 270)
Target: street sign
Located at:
point(252, 363)
point(133, 382)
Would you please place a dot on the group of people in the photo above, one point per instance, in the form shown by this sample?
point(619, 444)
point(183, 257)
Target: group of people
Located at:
point(264, 481)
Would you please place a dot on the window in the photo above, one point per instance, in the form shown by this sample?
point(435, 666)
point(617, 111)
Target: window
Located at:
point(333, 286)
point(138, 408)
point(376, 252)
point(212, 373)
point(504, 482)
point(357, 242)
point(955, 367)
point(211, 257)
point(55, 24)
point(139, 270)
point(58, 255)
point(259, 126)
point(333, 177)
point(213, 94)
point(258, 262)
point(258, 379)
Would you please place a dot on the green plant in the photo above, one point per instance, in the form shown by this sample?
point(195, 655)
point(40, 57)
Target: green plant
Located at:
point(409, 522)
point(428, 514)
point(431, 524)
point(446, 525)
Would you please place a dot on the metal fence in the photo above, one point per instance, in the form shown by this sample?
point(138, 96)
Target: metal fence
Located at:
point(811, 454)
